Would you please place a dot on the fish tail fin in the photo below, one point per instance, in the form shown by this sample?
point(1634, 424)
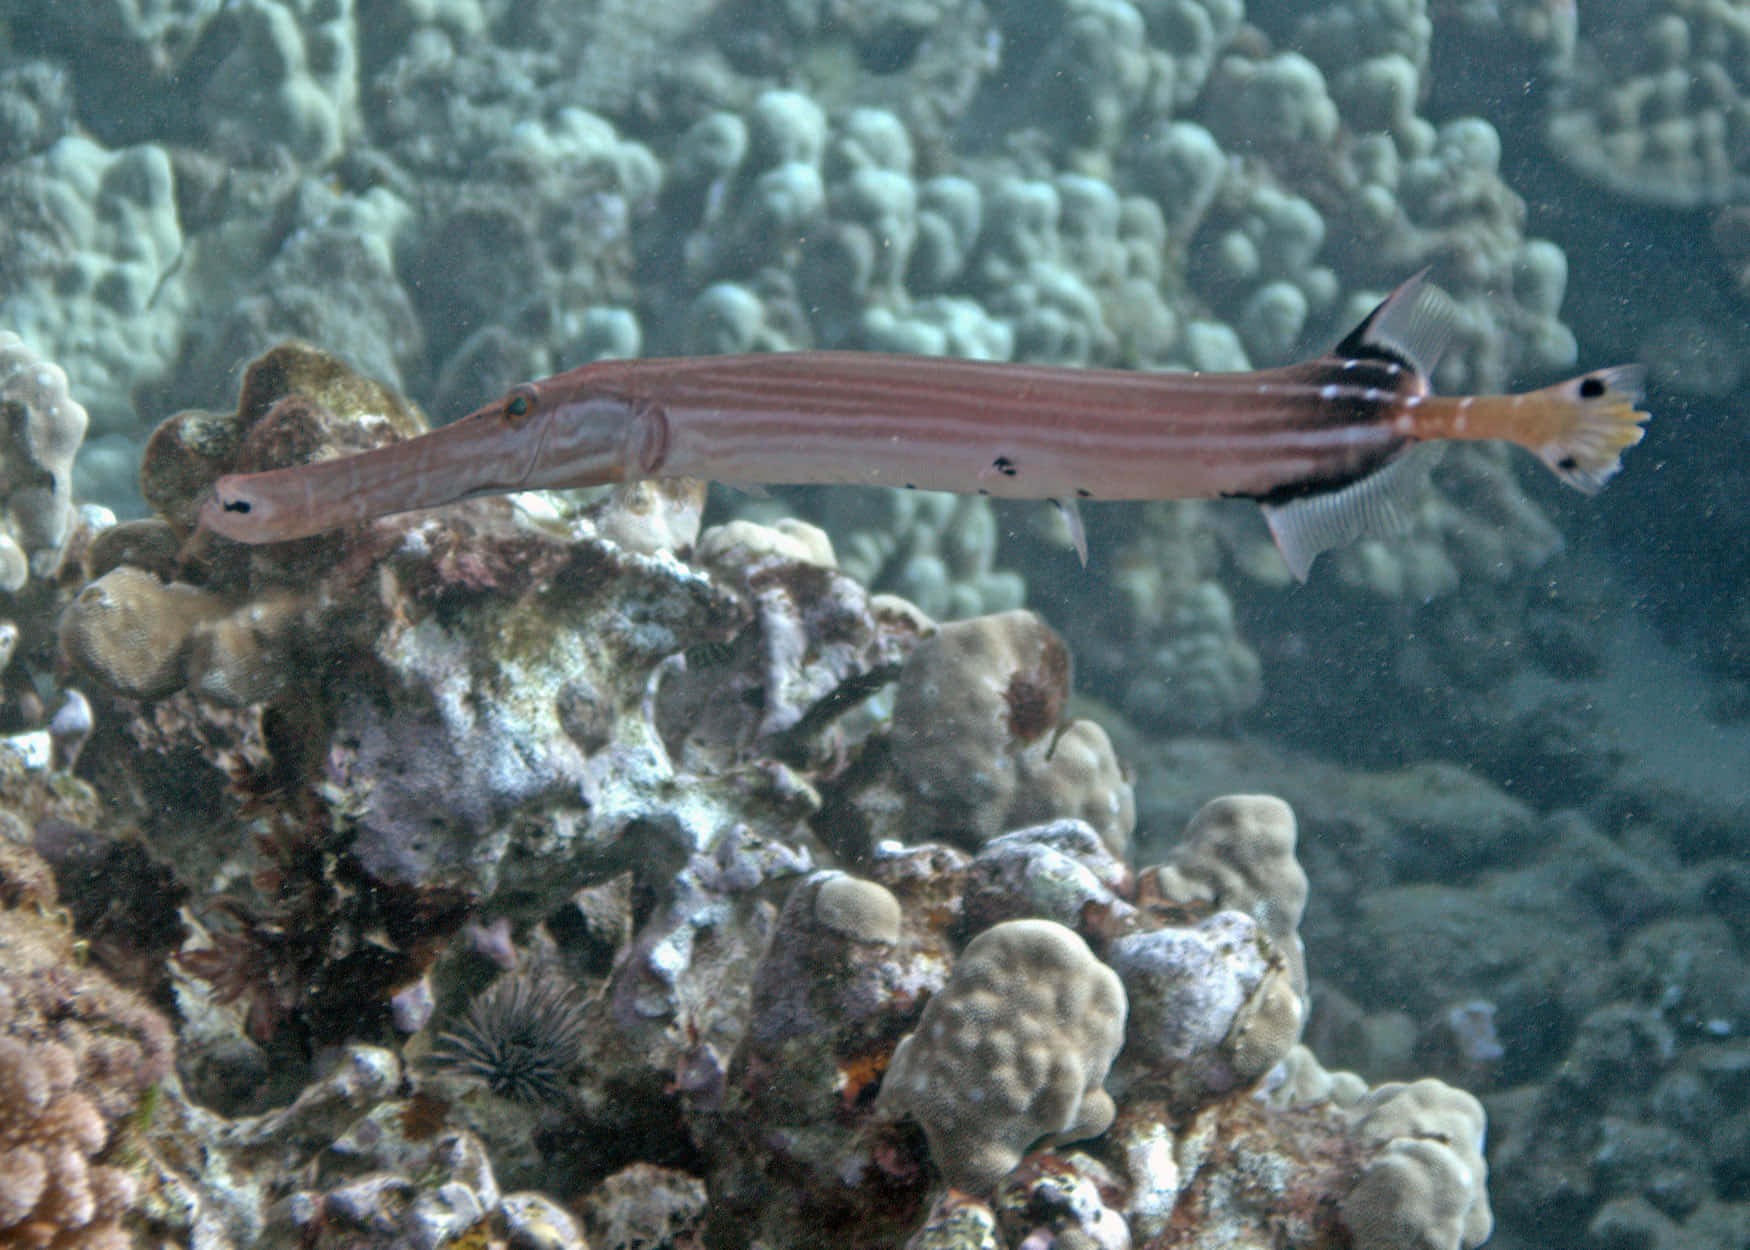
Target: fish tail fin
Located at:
point(1589, 422)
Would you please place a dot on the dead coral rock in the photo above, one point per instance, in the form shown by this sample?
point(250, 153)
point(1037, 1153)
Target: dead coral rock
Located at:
point(1210, 1008)
point(1061, 871)
point(645, 1205)
point(805, 645)
point(1071, 1199)
point(375, 1168)
point(837, 985)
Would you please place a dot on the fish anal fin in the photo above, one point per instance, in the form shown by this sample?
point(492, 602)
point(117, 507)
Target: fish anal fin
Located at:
point(1378, 504)
point(1412, 325)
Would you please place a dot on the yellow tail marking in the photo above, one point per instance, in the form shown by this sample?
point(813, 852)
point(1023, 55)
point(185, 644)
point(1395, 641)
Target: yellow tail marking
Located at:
point(1592, 420)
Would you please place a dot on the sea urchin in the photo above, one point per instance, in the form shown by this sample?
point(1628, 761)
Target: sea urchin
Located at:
point(520, 1036)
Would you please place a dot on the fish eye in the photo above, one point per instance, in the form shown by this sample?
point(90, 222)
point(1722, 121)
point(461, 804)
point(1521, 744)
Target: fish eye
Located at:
point(520, 402)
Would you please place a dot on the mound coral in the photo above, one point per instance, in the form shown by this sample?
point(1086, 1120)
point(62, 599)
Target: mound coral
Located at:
point(41, 426)
point(1423, 1184)
point(979, 740)
point(1013, 1051)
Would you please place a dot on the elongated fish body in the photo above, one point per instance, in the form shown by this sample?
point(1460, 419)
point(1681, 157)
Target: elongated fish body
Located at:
point(1011, 431)
point(1323, 445)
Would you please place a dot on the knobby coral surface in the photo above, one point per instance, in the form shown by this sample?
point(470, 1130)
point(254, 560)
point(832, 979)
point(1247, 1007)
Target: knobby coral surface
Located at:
point(43, 427)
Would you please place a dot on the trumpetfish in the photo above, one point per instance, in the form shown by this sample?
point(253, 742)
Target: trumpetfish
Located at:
point(1325, 446)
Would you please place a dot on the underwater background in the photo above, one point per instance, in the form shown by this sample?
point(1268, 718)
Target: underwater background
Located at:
point(843, 867)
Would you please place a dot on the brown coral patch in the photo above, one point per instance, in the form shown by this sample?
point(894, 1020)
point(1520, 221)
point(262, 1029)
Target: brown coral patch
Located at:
point(1269, 1176)
point(1036, 695)
point(299, 369)
point(186, 452)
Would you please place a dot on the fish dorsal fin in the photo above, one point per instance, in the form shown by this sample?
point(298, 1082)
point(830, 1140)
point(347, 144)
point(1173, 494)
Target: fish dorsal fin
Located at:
point(1378, 504)
point(1412, 326)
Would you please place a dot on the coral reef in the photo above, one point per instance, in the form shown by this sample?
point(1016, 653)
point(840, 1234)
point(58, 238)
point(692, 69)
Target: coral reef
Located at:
point(751, 798)
point(290, 78)
point(1653, 104)
point(821, 1050)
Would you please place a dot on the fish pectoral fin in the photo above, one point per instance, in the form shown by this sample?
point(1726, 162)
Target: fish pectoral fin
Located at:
point(1376, 504)
point(1072, 517)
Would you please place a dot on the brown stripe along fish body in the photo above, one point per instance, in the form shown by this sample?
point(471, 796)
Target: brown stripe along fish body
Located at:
point(1328, 447)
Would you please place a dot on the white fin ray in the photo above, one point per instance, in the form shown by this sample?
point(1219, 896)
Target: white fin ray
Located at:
point(1606, 422)
point(1378, 504)
point(1412, 324)
point(1072, 517)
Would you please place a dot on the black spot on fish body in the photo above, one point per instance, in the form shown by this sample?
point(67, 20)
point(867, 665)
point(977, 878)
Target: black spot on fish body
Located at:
point(1005, 466)
point(1567, 464)
point(1083, 493)
point(1590, 388)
